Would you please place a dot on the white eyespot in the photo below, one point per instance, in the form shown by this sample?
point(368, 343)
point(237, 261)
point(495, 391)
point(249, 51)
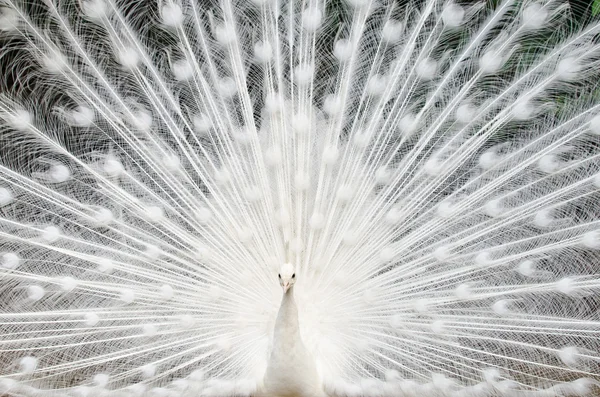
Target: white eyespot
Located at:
point(101, 380)
point(59, 173)
point(197, 375)
point(225, 34)
point(332, 105)
point(391, 375)
point(386, 254)
point(494, 208)
point(393, 216)
point(358, 3)
point(203, 214)
point(273, 156)
point(491, 375)
point(273, 103)
point(527, 268)
point(301, 123)
point(591, 239)
point(361, 139)
point(317, 221)
point(463, 291)
point(68, 283)
point(594, 125)
point(453, 15)
point(445, 208)
point(141, 120)
point(568, 69)
point(128, 58)
point(148, 371)
point(91, 319)
point(442, 383)
point(153, 213)
point(566, 286)
point(227, 87)
point(9, 19)
point(377, 85)
point(112, 166)
point(214, 292)
point(51, 234)
point(483, 258)
point(438, 327)
point(137, 390)
point(569, 355)
point(172, 162)
point(186, 321)
point(442, 253)
point(82, 116)
point(523, 109)
point(500, 307)
point(433, 165)
point(126, 295)
point(10, 260)
point(303, 74)
point(203, 253)
point(54, 62)
point(383, 175)
point(202, 124)
point(465, 113)
point(549, 163)
point(222, 176)
point(171, 14)
point(491, 62)
point(105, 265)
point(421, 305)
point(242, 135)
point(35, 292)
point(427, 68)
point(330, 154)
point(6, 196)
point(407, 124)
point(152, 252)
point(396, 321)
point(182, 70)
point(20, 119)
point(95, 9)
point(534, 16)
point(488, 159)
point(311, 19)
point(543, 218)
point(149, 330)
point(343, 50)
point(392, 30)
point(28, 364)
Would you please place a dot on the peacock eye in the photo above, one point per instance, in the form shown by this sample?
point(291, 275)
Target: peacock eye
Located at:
point(279, 275)
point(294, 275)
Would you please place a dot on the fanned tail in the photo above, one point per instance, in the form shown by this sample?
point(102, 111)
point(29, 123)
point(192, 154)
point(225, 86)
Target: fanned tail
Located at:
point(431, 170)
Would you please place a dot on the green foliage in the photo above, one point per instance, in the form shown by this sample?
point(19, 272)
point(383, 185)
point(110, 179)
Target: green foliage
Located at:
point(596, 7)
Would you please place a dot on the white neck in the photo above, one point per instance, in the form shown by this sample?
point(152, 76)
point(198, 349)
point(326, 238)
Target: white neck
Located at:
point(286, 326)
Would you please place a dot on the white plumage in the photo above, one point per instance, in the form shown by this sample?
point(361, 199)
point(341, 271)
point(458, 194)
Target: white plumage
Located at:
point(428, 172)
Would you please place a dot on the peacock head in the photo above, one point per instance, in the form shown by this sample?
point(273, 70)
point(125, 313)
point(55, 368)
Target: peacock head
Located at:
point(287, 276)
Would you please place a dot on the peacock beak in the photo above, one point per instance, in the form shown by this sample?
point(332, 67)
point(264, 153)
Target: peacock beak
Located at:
point(286, 286)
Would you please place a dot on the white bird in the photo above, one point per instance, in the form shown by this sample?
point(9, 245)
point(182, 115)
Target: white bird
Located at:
point(422, 177)
point(291, 371)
